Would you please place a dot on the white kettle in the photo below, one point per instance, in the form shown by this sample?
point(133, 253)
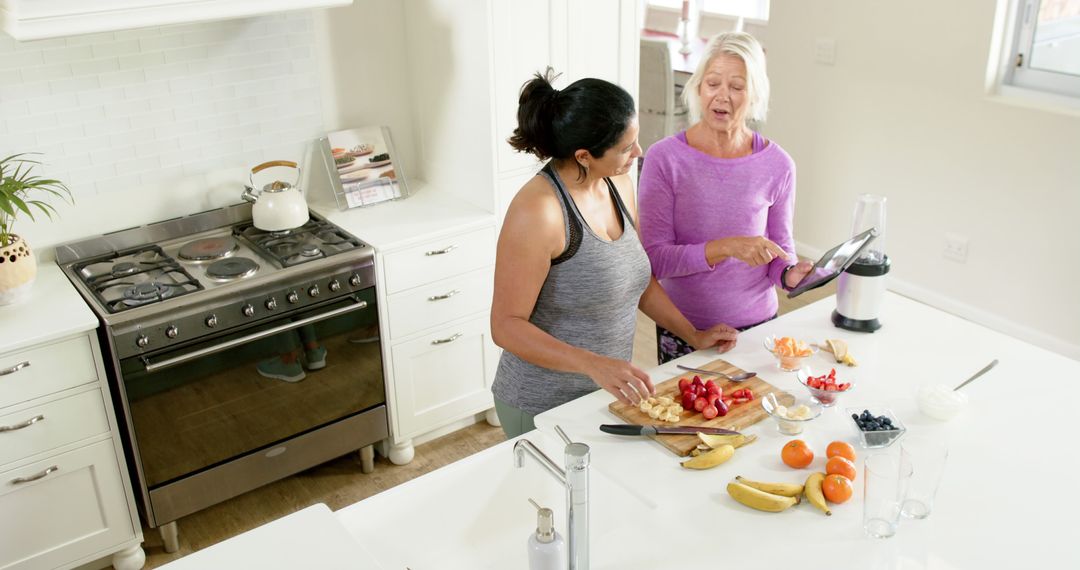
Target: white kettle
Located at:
point(279, 205)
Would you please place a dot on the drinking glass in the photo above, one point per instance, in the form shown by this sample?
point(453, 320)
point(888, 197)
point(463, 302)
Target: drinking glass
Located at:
point(885, 484)
point(928, 462)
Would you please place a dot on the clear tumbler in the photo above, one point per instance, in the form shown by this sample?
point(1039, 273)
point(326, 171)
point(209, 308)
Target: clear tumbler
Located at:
point(928, 463)
point(885, 485)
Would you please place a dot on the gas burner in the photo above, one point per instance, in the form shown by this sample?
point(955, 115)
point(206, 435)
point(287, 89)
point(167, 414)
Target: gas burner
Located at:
point(279, 233)
point(331, 237)
point(310, 250)
point(148, 292)
point(231, 268)
point(123, 268)
point(208, 249)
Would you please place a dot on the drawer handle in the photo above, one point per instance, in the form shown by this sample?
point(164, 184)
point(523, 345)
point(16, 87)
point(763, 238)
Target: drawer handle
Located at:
point(447, 339)
point(15, 368)
point(443, 296)
point(446, 249)
point(25, 424)
point(42, 475)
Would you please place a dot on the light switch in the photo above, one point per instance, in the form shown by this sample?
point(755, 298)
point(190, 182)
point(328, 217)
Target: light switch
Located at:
point(825, 51)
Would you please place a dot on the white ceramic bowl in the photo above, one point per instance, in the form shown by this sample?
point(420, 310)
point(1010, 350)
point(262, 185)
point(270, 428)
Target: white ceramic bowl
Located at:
point(941, 402)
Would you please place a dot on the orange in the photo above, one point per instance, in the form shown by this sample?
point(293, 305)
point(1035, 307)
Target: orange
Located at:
point(837, 489)
point(796, 454)
point(840, 466)
point(841, 448)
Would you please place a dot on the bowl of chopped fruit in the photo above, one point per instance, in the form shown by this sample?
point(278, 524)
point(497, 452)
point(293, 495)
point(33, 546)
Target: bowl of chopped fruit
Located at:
point(790, 413)
point(824, 387)
point(788, 351)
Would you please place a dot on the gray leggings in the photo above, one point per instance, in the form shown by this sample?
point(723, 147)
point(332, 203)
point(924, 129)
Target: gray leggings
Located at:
point(514, 421)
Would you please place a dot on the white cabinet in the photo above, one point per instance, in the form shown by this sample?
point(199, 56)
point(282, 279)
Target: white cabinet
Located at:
point(438, 353)
point(65, 496)
point(37, 19)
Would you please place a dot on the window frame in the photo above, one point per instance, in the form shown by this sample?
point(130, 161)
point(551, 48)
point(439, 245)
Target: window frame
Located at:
point(1014, 30)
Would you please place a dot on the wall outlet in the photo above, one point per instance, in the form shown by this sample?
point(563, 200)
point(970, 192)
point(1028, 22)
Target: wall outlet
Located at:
point(956, 247)
point(825, 51)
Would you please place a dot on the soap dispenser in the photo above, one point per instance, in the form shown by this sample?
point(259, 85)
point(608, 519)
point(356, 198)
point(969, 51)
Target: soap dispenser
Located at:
point(547, 551)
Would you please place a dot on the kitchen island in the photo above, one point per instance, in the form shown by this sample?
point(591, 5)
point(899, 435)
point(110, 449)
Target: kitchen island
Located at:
point(1004, 501)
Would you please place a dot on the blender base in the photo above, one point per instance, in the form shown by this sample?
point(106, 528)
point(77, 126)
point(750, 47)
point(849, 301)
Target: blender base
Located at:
point(856, 325)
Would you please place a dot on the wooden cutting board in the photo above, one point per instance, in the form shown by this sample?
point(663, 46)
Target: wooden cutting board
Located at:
point(739, 417)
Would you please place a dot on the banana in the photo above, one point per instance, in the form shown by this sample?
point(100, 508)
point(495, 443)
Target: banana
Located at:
point(782, 489)
point(813, 493)
point(760, 500)
point(710, 459)
point(735, 441)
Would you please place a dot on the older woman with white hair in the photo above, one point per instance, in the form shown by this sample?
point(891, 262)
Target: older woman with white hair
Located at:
point(716, 201)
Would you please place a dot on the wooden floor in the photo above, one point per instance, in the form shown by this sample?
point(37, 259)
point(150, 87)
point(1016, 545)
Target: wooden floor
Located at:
point(339, 483)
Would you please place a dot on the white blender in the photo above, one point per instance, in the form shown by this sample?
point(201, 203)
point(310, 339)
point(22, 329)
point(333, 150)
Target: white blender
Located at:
point(861, 286)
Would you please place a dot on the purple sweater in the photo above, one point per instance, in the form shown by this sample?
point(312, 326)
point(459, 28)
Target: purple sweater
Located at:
point(687, 198)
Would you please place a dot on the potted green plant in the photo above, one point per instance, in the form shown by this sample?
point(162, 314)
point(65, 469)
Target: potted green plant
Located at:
point(21, 192)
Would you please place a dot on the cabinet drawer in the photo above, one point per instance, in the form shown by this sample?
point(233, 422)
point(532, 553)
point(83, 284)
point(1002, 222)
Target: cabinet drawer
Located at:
point(51, 425)
point(73, 511)
point(444, 376)
point(438, 259)
point(46, 369)
point(447, 300)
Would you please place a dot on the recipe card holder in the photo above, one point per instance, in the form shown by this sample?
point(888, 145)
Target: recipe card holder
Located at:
point(354, 182)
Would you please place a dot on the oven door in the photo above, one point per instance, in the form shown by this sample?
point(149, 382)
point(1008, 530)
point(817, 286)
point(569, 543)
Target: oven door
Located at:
point(204, 404)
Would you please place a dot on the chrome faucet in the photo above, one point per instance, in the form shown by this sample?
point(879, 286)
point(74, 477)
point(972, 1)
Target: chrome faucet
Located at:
point(576, 480)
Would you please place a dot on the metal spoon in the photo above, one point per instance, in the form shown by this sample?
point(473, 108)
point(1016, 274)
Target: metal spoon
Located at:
point(735, 378)
point(977, 374)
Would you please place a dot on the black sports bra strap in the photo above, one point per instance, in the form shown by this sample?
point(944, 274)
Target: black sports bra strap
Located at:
point(618, 200)
point(575, 231)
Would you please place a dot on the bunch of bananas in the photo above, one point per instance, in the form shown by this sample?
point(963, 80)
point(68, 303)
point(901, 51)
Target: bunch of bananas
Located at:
point(777, 497)
point(717, 449)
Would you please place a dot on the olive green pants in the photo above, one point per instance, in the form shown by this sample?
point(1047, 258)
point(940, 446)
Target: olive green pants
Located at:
point(514, 421)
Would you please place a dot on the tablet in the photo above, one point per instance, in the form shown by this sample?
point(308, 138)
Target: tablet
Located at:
point(834, 262)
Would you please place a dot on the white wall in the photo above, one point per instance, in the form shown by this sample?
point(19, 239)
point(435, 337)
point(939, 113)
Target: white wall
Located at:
point(154, 123)
point(903, 113)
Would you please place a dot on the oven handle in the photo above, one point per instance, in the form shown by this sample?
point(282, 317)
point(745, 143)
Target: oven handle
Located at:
point(155, 366)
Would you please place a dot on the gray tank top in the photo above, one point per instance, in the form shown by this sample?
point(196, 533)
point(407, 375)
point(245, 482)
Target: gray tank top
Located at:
point(589, 300)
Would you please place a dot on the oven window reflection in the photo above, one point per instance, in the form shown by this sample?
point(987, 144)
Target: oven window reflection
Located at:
point(212, 409)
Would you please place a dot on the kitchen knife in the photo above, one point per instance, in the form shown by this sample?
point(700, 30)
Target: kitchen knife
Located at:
point(634, 429)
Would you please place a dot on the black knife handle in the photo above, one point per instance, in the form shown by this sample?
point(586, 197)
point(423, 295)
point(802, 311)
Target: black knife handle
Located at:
point(621, 429)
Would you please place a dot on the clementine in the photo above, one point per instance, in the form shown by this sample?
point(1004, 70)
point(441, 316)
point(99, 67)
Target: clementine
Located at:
point(841, 448)
point(840, 466)
point(837, 489)
point(796, 454)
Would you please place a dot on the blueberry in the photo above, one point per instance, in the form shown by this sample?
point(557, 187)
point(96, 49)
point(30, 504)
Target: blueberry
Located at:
point(855, 417)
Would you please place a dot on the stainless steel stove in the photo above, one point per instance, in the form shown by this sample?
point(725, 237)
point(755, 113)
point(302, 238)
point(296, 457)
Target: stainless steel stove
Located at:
point(237, 356)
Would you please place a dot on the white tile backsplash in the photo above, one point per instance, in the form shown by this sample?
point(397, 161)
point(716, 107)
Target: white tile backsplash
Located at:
point(177, 109)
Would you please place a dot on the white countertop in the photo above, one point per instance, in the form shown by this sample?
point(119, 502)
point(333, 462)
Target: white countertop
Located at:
point(427, 214)
point(1004, 502)
point(53, 310)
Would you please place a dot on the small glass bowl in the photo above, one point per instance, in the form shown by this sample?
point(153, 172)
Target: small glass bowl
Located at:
point(823, 397)
point(785, 425)
point(880, 438)
point(786, 363)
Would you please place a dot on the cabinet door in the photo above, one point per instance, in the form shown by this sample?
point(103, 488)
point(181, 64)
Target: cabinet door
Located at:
point(602, 40)
point(47, 369)
point(53, 516)
point(443, 376)
point(524, 45)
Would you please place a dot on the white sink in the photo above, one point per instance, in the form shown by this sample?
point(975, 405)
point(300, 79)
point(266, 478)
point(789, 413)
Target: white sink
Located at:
point(475, 513)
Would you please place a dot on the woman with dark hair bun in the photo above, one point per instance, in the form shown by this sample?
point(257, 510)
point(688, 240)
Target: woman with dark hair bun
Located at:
point(570, 271)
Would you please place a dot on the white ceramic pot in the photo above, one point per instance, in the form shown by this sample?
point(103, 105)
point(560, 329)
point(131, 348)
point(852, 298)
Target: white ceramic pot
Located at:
point(279, 205)
point(18, 269)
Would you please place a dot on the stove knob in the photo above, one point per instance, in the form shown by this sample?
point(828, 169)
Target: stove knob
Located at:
point(292, 297)
point(171, 331)
point(142, 341)
point(271, 303)
point(334, 286)
point(211, 321)
point(313, 291)
point(248, 310)
point(355, 280)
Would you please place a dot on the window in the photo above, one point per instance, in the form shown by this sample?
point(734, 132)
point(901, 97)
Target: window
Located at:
point(1044, 52)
